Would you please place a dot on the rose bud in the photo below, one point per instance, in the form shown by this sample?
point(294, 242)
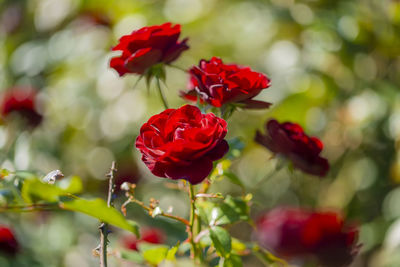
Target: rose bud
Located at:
point(21, 102)
point(146, 47)
point(8, 242)
point(182, 143)
point(288, 139)
point(153, 236)
point(294, 233)
point(218, 84)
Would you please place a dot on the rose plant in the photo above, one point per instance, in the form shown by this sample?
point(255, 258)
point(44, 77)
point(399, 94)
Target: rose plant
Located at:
point(186, 145)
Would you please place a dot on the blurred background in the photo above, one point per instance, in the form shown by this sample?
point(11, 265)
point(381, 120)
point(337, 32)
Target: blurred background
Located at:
point(335, 69)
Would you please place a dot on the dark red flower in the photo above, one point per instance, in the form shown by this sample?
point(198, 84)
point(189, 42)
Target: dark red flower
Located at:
point(147, 47)
point(289, 139)
point(217, 84)
point(21, 101)
point(299, 233)
point(153, 236)
point(8, 242)
point(182, 143)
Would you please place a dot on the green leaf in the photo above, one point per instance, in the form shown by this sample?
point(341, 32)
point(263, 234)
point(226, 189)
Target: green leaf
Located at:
point(266, 256)
point(98, 208)
point(72, 185)
point(35, 190)
point(232, 261)
point(229, 211)
point(132, 256)
point(153, 254)
point(172, 252)
point(221, 240)
point(239, 205)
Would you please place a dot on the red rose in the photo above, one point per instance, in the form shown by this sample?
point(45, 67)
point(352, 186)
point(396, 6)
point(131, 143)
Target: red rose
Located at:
point(217, 84)
point(153, 236)
point(289, 139)
point(147, 47)
point(21, 101)
point(8, 243)
point(182, 143)
point(297, 233)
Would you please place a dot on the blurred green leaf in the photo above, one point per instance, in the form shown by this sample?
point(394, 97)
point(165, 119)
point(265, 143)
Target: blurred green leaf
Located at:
point(153, 254)
point(229, 211)
point(132, 256)
point(172, 252)
point(221, 240)
point(72, 185)
point(35, 190)
point(98, 208)
point(231, 261)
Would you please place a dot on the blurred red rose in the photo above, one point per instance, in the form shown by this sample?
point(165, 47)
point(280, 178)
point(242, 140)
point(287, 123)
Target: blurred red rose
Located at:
point(289, 139)
point(182, 143)
point(298, 233)
point(217, 84)
point(8, 242)
point(147, 47)
point(153, 236)
point(22, 102)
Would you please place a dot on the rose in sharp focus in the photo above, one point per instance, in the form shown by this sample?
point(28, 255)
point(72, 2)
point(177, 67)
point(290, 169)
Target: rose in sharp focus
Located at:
point(182, 143)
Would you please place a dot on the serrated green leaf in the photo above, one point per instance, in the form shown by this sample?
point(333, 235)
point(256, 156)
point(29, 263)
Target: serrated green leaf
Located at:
point(132, 256)
point(98, 208)
point(153, 254)
point(221, 240)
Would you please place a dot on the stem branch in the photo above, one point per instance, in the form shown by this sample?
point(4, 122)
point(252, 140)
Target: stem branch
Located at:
point(192, 220)
point(162, 96)
point(104, 226)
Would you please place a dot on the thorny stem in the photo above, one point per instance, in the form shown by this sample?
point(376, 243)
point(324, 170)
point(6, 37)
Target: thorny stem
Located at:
point(192, 220)
point(162, 96)
point(104, 226)
point(141, 204)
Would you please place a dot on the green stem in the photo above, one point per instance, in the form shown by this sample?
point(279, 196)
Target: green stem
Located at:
point(192, 220)
point(163, 99)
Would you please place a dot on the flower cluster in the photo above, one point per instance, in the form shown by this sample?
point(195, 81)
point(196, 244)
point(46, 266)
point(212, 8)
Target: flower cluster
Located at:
point(183, 143)
point(297, 233)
